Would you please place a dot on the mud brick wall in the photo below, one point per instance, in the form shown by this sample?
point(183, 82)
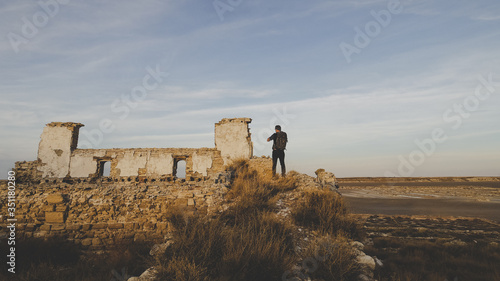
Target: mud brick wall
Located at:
point(96, 215)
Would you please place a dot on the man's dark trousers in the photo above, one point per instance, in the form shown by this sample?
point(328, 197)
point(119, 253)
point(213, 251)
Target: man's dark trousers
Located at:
point(279, 154)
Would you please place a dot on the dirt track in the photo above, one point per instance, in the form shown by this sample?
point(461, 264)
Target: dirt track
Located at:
point(431, 207)
point(435, 197)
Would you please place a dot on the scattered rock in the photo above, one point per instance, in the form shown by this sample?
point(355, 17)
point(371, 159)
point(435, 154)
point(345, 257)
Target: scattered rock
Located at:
point(358, 245)
point(159, 249)
point(363, 277)
point(327, 180)
point(365, 260)
point(148, 275)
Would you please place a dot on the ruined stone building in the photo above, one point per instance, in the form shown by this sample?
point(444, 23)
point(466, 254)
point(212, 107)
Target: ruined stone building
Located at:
point(60, 158)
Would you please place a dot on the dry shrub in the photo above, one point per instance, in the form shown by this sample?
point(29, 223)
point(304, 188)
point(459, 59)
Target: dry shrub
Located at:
point(247, 180)
point(58, 259)
point(328, 258)
point(326, 211)
point(182, 269)
point(260, 248)
point(245, 242)
point(435, 261)
point(252, 192)
point(177, 216)
point(197, 244)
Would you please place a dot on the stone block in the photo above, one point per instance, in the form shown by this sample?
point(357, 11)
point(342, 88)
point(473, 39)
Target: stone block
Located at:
point(190, 202)
point(128, 226)
point(181, 202)
point(128, 235)
point(54, 217)
point(115, 225)
point(61, 208)
point(161, 225)
point(87, 242)
point(96, 242)
point(139, 237)
point(188, 195)
point(49, 208)
point(57, 227)
point(55, 199)
point(73, 226)
point(149, 226)
point(99, 226)
point(40, 234)
point(45, 227)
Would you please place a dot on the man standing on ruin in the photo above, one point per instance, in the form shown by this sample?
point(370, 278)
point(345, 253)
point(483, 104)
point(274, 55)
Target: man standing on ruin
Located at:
point(279, 139)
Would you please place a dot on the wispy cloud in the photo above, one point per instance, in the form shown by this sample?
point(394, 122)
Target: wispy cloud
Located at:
point(265, 57)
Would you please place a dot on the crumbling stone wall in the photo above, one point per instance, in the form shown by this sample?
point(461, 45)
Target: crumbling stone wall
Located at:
point(232, 138)
point(27, 170)
point(63, 193)
point(59, 157)
point(145, 162)
point(57, 142)
point(96, 215)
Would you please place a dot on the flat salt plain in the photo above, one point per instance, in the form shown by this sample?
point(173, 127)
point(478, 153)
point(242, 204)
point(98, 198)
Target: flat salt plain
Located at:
point(447, 196)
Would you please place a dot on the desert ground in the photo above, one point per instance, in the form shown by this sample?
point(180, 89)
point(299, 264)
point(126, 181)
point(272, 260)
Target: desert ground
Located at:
point(421, 226)
point(457, 197)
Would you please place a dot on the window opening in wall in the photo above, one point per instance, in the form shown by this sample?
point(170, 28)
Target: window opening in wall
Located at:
point(104, 168)
point(180, 169)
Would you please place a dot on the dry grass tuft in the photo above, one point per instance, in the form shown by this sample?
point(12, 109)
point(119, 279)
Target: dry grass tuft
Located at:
point(258, 248)
point(253, 193)
point(57, 259)
point(407, 259)
point(248, 241)
point(245, 242)
point(326, 211)
point(330, 258)
point(182, 269)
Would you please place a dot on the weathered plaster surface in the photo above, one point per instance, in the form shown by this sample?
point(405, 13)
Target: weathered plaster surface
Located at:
point(131, 162)
point(232, 138)
point(58, 156)
point(201, 163)
point(159, 163)
point(54, 151)
point(82, 166)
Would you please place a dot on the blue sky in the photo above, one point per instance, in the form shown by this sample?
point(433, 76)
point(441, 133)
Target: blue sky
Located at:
point(355, 113)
